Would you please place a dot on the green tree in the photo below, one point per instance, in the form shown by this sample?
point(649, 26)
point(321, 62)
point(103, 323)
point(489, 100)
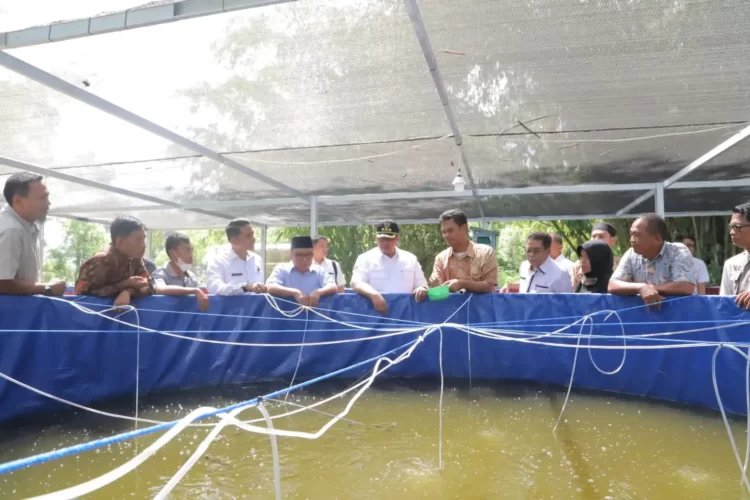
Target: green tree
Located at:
point(82, 240)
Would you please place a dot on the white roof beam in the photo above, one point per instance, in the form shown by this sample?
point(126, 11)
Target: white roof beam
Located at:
point(736, 138)
point(139, 17)
point(332, 200)
point(49, 172)
point(40, 76)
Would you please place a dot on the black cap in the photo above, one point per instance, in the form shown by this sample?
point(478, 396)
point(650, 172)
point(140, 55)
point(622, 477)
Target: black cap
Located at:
point(302, 242)
point(387, 229)
point(606, 227)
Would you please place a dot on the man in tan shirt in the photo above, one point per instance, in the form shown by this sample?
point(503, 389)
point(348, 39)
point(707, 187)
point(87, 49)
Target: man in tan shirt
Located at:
point(464, 264)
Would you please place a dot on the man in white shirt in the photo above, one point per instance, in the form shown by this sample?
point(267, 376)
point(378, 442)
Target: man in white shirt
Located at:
point(701, 273)
point(556, 252)
point(539, 273)
point(236, 269)
point(735, 280)
point(333, 268)
point(388, 269)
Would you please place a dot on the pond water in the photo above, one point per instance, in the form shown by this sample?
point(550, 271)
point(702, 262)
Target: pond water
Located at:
point(497, 443)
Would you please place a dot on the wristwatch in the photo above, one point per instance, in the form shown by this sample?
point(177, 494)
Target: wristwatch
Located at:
point(47, 291)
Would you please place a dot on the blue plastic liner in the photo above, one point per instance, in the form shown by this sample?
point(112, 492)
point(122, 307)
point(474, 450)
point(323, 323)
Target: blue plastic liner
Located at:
point(83, 358)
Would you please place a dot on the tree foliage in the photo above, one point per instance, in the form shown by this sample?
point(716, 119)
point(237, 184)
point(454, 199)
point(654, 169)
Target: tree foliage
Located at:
point(348, 242)
point(82, 240)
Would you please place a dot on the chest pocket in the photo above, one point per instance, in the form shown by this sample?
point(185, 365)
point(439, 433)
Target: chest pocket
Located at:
point(540, 289)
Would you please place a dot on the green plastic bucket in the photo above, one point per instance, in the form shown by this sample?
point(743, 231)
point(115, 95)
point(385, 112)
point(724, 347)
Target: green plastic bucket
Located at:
point(439, 292)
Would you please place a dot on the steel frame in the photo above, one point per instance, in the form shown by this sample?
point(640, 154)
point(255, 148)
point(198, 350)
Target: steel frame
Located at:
point(159, 14)
point(139, 17)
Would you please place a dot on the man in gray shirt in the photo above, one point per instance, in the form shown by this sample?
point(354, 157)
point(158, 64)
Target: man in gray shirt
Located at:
point(28, 202)
point(177, 276)
point(653, 267)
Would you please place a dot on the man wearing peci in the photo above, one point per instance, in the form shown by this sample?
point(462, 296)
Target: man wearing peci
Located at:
point(236, 269)
point(653, 267)
point(388, 269)
point(300, 279)
point(28, 203)
point(464, 264)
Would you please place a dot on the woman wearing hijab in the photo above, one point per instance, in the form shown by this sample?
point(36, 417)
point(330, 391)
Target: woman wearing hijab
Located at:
point(596, 264)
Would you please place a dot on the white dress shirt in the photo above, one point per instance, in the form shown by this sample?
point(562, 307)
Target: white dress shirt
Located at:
point(398, 274)
point(565, 263)
point(227, 273)
point(548, 278)
point(701, 272)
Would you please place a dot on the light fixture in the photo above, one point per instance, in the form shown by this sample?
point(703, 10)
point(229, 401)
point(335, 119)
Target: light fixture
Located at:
point(458, 181)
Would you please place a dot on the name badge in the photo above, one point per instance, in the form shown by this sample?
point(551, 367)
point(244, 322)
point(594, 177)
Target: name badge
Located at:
point(236, 274)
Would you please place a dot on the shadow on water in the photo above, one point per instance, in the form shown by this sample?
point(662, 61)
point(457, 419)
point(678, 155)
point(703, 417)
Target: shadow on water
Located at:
point(565, 438)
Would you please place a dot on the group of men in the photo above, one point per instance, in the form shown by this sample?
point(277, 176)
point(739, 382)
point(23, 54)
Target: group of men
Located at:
point(652, 268)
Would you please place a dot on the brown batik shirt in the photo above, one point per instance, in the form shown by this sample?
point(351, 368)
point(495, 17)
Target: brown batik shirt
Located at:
point(106, 273)
point(477, 264)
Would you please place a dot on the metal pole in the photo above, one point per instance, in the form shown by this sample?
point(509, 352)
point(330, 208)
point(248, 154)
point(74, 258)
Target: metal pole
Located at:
point(264, 248)
point(149, 240)
point(41, 251)
point(660, 200)
point(313, 216)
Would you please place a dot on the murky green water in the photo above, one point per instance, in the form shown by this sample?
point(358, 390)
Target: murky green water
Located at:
point(497, 443)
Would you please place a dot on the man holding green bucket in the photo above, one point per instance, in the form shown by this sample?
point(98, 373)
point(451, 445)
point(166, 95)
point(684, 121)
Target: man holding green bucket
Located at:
point(464, 265)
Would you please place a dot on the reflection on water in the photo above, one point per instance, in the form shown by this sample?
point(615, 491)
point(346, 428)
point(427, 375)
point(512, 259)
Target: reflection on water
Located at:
point(497, 443)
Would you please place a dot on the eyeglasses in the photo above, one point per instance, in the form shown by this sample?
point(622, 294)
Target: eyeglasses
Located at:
point(534, 251)
point(306, 255)
point(737, 227)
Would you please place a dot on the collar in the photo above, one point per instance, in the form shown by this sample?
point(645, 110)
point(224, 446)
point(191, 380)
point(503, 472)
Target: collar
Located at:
point(233, 255)
point(170, 271)
point(545, 267)
point(395, 254)
point(293, 269)
point(469, 250)
point(31, 226)
point(660, 254)
point(113, 251)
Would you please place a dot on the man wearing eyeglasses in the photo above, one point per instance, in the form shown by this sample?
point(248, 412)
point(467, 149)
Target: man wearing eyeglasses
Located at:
point(540, 273)
point(735, 280)
point(300, 279)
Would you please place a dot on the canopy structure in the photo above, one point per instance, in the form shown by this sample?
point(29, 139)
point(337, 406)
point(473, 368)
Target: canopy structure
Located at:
point(186, 114)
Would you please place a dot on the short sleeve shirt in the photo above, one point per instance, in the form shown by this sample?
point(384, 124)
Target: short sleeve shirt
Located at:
point(477, 264)
point(565, 264)
point(287, 275)
point(334, 269)
point(398, 274)
point(167, 276)
point(701, 272)
point(674, 264)
point(548, 278)
point(736, 276)
point(19, 247)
